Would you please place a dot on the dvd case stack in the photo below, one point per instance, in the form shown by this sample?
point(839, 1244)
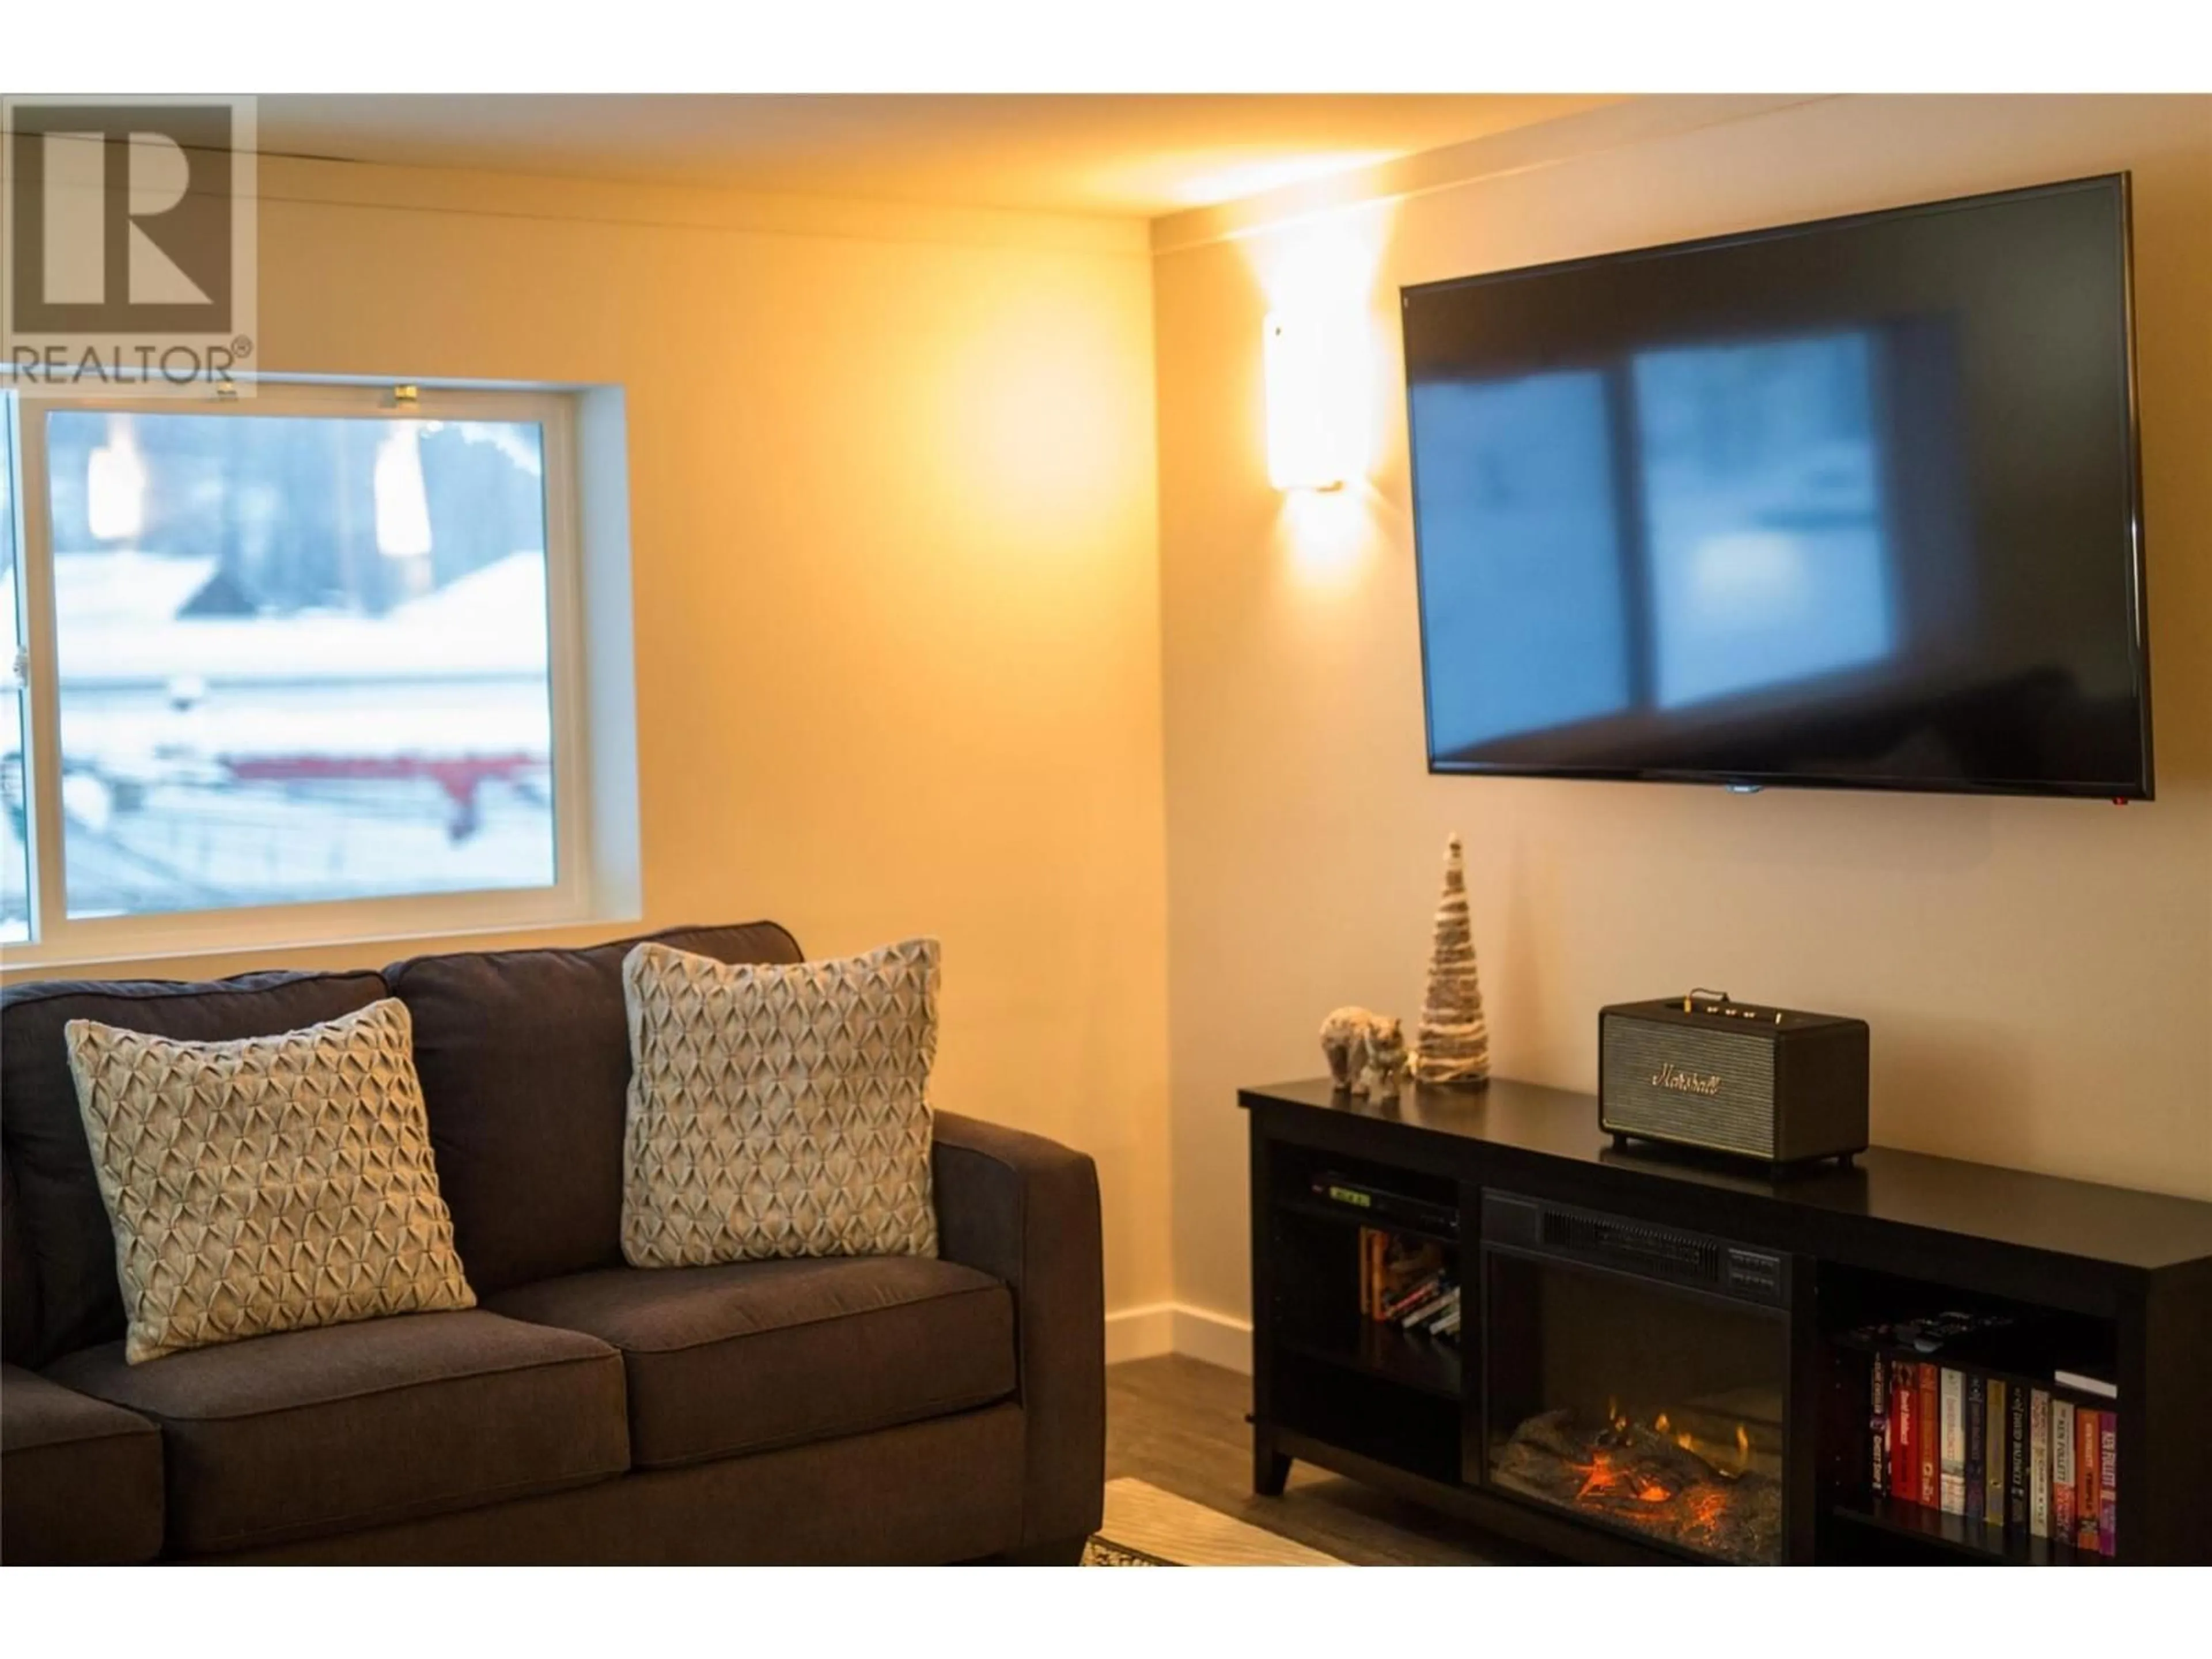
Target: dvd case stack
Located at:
point(1408, 1282)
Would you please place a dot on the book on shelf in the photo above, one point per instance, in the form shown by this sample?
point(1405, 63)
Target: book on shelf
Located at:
point(1425, 1314)
point(1951, 1444)
point(1432, 1321)
point(1904, 1430)
point(1948, 1434)
point(1996, 1439)
point(1416, 1299)
point(2062, 1477)
point(1878, 1424)
point(2086, 1460)
point(1397, 1303)
point(2086, 1382)
point(1408, 1282)
point(1417, 1303)
point(2039, 1463)
point(1978, 1439)
point(1393, 1267)
point(2108, 1440)
point(1930, 1480)
point(1392, 1303)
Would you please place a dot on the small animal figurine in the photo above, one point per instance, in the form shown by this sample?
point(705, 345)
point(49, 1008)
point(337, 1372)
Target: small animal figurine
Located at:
point(1365, 1051)
point(1388, 1062)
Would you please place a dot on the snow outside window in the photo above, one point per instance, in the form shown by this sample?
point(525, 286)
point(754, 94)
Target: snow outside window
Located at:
point(303, 661)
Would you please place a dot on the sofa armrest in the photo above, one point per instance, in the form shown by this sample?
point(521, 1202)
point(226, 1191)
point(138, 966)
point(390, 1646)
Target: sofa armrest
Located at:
point(1025, 1209)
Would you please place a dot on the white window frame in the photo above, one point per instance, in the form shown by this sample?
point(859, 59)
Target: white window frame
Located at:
point(58, 940)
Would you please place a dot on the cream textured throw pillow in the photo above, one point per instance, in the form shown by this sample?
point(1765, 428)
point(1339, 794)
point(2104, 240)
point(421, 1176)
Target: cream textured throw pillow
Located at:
point(266, 1184)
point(778, 1111)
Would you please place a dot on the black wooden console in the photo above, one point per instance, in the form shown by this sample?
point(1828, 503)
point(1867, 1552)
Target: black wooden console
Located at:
point(2126, 1276)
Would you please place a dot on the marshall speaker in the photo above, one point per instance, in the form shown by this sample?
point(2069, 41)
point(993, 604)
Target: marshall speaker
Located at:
point(1702, 1071)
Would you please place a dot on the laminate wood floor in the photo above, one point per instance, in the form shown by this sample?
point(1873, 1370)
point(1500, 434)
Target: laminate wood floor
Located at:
point(1179, 1423)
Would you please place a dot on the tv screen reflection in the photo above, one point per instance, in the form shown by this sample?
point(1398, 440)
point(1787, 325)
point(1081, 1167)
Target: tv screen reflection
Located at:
point(1851, 504)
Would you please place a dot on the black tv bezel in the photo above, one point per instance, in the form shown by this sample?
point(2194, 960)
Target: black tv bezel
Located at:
point(2142, 788)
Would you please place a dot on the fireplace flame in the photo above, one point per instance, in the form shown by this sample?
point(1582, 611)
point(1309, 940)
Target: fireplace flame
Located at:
point(1602, 1474)
point(1598, 1473)
point(1610, 1474)
point(1677, 1482)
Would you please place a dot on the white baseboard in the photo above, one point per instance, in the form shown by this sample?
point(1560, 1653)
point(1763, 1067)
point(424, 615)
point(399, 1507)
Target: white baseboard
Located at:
point(1215, 1338)
point(1140, 1333)
point(1173, 1327)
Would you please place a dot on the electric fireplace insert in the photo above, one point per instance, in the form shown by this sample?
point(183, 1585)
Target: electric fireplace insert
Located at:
point(1636, 1376)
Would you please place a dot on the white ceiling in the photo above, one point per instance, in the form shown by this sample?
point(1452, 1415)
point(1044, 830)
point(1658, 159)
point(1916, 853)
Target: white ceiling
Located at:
point(1140, 156)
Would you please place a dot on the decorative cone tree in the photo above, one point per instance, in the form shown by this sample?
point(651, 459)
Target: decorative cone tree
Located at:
point(1454, 1042)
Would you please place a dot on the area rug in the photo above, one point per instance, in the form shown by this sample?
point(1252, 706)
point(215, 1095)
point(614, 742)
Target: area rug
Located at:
point(1145, 1527)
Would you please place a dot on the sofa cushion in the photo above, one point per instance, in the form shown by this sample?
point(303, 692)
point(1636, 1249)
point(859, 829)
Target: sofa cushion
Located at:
point(779, 1111)
point(752, 1355)
point(269, 1184)
point(60, 1215)
point(524, 1057)
point(79, 1480)
point(321, 1432)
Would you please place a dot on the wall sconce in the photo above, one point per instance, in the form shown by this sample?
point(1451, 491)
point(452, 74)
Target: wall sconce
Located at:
point(1314, 401)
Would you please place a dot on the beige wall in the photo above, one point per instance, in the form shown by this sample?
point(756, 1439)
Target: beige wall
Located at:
point(2038, 973)
point(905, 653)
point(892, 482)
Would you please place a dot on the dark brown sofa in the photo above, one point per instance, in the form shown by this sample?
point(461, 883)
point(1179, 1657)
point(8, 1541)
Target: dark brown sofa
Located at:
point(882, 1409)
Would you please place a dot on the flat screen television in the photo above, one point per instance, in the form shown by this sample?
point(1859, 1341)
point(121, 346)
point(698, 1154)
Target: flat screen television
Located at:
point(1848, 504)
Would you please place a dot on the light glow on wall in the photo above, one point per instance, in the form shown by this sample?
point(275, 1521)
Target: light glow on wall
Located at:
point(1328, 536)
point(1316, 401)
point(1234, 179)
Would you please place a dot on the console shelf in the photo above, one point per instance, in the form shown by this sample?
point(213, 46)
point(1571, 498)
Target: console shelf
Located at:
point(1955, 1535)
point(2123, 1277)
point(1404, 1358)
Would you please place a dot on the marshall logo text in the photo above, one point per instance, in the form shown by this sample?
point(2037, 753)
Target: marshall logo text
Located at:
point(1673, 1077)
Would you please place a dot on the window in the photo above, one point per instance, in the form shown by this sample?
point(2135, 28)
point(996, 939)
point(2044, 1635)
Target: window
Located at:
point(1762, 493)
point(301, 666)
point(15, 854)
point(1670, 528)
